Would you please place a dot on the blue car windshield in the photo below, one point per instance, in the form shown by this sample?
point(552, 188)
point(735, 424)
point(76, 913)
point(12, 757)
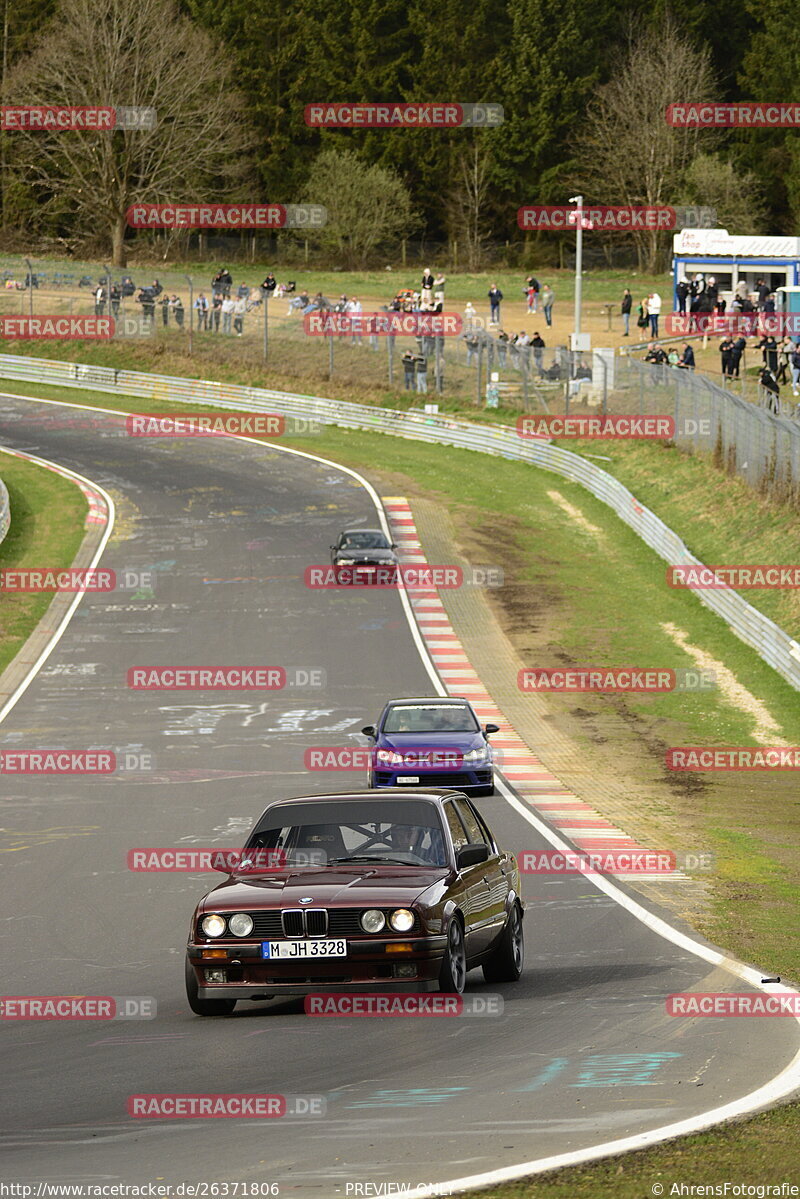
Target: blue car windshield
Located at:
point(405, 832)
point(430, 718)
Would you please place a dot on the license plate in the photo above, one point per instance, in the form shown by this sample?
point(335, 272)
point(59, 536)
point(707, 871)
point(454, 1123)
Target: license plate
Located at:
point(408, 778)
point(304, 949)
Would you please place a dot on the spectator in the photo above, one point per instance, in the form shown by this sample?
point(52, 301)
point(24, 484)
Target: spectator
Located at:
point(769, 353)
point(116, 297)
point(672, 357)
point(654, 311)
point(216, 311)
point(726, 352)
point(100, 300)
point(268, 286)
point(438, 294)
point(682, 291)
point(318, 304)
point(408, 370)
point(502, 346)
point(642, 319)
point(127, 286)
point(426, 296)
point(201, 308)
point(355, 311)
point(532, 292)
point(763, 290)
point(471, 340)
point(145, 298)
point(769, 303)
point(687, 358)
point(239, 309)
point(737, 350)
point(421, 368)
point(164, 302)
point(538, 346)
point(176, 304)
point(655, 354)
point(300, 301)
point(795, 370)
point(712, 293)
point(227, 313)
point(156, 288)
point(741, 291)
point(470, 316)
point(696, 289)
point(770, 389)
point(627, 304)
point(548, 299)
point(785, 350)
point(495, 296)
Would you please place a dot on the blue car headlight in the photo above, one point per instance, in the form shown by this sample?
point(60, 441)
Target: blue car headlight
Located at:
point(388, 757)
point(477, 755)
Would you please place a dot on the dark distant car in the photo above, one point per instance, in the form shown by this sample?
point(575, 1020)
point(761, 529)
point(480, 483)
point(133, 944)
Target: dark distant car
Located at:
point(413, 894)
point(431, 742)
point(366, 550)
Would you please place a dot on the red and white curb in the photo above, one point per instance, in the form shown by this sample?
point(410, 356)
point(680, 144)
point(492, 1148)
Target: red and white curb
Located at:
point(576, 820)
point(98, 513)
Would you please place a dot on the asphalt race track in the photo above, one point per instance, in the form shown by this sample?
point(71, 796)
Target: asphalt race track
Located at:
point(584, 1052)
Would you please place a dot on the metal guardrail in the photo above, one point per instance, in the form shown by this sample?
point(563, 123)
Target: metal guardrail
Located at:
point(770, 642)
point(5, 511)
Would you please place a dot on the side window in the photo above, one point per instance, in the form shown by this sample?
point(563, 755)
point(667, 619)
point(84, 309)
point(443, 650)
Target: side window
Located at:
point(460, 838)
point(484, 827)
point(474, 830)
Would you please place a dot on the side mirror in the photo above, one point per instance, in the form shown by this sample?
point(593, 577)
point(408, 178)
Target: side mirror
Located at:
point(491, 728)
point(369, 730)
point(471, 855)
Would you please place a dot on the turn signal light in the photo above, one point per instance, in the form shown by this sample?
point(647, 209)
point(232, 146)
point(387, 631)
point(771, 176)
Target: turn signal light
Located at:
point(213, 953)
point(400, 947)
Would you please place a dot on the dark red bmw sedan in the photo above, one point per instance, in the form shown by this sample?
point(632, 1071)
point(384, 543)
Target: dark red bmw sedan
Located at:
point(392, 890)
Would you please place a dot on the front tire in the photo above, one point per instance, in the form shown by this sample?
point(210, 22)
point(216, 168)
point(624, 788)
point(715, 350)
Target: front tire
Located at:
point(453, 974)
point(205, 1007)
point(506, 963)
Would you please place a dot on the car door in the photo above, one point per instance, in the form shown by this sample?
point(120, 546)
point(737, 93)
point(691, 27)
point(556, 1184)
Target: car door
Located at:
point(475, 890)
point(491, 885)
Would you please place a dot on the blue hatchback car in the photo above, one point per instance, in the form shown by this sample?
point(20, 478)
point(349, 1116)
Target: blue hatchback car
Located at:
point(431, 742)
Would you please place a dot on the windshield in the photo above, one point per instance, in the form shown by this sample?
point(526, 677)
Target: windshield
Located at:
point(430, 718)
point(405, 832)
point(365, 541)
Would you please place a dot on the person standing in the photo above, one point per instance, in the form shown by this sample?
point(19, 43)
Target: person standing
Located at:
point(737, 350)
point(201, 308)
point(355, 312)
point(627, 304)
point(642, 319)
point(164, 302)
point(681, 294)
point(725, 353)
point(548, 299)
point(502, 346)
point(408, 370)
point(495, 296)
point(100, 300)
point(227, 313)
point(426, 297)
point(239, 309)
point(438, 294)
point(421, 368)
point(769, 353)
point(532, 291)
point(538, 346)
point(216, 311)
point(654, 311)
point(176, 304)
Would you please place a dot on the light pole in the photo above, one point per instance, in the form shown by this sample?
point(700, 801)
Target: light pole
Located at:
point(188, 279)
point(30, 287)
point(578, 263)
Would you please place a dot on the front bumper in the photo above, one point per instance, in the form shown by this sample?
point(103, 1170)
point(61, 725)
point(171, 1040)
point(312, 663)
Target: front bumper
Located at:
point(367, 967)
point(463, 780)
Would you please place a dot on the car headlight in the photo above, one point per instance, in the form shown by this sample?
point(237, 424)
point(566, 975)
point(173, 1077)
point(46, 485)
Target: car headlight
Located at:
point(241, 925)
point(345, 561)
point(373, 921)
point(402, 920)
point(213, 926)
point(475, 755)
point(388, 757)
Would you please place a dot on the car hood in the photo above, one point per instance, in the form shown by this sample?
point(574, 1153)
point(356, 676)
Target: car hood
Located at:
point(415, 741)
point(364, 885)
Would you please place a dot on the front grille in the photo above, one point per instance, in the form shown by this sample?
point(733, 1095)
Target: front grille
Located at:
point(293, 922)
point(316, 922)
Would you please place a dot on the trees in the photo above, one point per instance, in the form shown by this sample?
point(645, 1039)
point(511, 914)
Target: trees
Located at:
point(112, 52)
point(735, 194)
point(627, 153)
point(367, 205)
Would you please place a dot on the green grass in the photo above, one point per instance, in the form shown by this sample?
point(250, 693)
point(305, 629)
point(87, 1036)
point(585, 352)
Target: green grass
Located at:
point(47, 515)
